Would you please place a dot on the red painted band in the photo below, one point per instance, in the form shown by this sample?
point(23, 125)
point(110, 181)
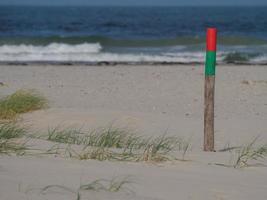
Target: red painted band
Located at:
point(211, 39)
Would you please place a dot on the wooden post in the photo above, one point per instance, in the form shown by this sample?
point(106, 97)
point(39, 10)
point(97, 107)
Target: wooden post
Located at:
point(209, 90)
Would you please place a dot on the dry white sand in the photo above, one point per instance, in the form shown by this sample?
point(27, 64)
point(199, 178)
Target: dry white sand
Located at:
point(150, 100)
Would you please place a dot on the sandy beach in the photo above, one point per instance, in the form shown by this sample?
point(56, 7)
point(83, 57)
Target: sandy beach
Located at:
point(151, 100)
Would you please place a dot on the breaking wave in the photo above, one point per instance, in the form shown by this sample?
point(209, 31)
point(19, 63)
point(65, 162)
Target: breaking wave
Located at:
point(94, 53)
point(54, 48)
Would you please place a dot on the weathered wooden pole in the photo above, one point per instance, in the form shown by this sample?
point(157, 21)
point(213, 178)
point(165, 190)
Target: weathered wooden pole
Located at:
point(210, 89)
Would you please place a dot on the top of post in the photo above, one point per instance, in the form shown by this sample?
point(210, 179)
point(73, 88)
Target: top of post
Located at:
point(211, 39)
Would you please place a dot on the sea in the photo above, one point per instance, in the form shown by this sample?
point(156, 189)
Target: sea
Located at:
point(131, 35)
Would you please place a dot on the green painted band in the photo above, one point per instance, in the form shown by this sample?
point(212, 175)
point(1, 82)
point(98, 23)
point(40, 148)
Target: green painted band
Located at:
point(210, 63)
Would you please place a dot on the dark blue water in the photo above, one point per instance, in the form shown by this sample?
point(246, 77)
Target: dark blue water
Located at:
point(131, 34)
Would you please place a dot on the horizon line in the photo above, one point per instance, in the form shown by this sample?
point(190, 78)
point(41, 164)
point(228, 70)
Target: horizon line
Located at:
point(88, 5)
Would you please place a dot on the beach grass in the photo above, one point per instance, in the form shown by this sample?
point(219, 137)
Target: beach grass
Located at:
point(186, 145)
point(243, 155)
point(9, 132)
point(67, 136)
point(112, 137)
point(21, 101)
point(250, 152)
point(108, 185)
point(115, 184)
point(12, 147)
point(113, 143)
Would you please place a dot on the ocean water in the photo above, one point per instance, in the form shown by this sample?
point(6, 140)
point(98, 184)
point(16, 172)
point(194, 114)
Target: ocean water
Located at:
point(131, 34)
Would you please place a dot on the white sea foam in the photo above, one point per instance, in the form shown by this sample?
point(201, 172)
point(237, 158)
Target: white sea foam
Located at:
point(57, 52)
point(260, 59)
point(54, 48)
point(92, 52)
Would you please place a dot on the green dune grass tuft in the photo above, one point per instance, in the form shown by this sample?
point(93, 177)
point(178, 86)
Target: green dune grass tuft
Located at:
point(113, 185)
point(246, 155)
point(116, 144)
point(21, 101)
point(110, 137)
point(9, 132)
point(250, 152)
